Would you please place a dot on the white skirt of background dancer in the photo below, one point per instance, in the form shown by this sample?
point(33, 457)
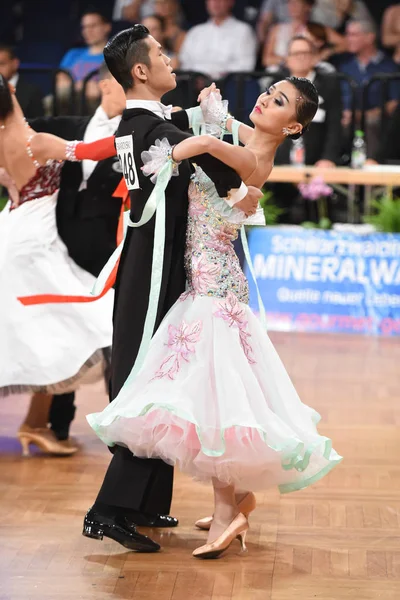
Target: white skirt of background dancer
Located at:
point(47, 347)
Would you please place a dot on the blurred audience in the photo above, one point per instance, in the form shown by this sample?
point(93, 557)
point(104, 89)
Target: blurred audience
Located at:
point(157, 28)
point(318, 36)
point(366, 62)
point(222, 45)
point(174, 34)
point(272, 11)
point(132, 10)
point(276, 45)
point(389, 148)
point(337, 13)
point(79, 62)
point(28, 95)
point(391, 30)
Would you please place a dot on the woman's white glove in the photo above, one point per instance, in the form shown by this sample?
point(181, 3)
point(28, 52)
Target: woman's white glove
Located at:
point(156, 157)
point(215, 113)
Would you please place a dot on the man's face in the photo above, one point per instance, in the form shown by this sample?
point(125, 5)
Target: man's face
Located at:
point(94, 30)
point(219, 9)
point(301, 58)
point(357, 39)
point(8, 66)
point(160, 77)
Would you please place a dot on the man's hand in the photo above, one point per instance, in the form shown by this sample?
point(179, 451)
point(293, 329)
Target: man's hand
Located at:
point(371, 161)
point(249, 204)
point(325, 164)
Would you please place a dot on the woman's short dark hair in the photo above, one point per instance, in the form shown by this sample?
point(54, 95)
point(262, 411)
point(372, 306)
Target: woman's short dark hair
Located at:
point(307, 103)
point(6, 103)
point(124, 50)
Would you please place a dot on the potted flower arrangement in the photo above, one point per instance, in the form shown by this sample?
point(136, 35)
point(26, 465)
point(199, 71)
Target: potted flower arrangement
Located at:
point(318, 192)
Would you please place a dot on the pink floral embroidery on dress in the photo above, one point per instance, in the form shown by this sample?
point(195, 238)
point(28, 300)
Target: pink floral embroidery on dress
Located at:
point(203, 275)
point(234, 314)
point(181, 342)
point(186, 295)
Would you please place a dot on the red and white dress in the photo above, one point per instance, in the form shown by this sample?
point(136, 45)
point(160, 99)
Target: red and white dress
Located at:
point(46, 347)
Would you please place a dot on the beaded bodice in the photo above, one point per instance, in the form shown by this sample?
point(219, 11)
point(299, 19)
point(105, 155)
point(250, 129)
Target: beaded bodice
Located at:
point(44, 183)
point(212, 266)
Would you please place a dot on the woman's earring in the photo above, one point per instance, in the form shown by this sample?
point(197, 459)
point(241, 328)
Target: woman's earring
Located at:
point(285, 131)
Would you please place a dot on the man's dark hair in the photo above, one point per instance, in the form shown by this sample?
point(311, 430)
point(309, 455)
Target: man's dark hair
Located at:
point(124, 50)
point(9, 49)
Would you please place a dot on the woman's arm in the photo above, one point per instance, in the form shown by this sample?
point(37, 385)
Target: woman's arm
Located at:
point(245, 131)
point(240, 159)
point(46, 146)
point(390, 33)
point(337, 41)
point(269, 58)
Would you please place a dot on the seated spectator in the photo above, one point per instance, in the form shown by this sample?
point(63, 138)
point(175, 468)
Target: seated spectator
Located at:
point(391, 30)
point(174, 34)
point(272, 11)
point(133, 10)
point(366, 62)
point(157, 28)
point(318, 36)
point(80, 62)
point(28, 95)
point(389, 148)
point(337, 13)
point(222, 45)
point(276, 45)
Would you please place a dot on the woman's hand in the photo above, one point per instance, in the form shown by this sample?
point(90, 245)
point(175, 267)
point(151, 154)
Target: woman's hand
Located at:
point(207, 91)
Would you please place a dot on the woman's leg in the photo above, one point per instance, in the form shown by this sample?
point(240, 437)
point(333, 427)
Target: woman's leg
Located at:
point(225, 509)
point(38, 412)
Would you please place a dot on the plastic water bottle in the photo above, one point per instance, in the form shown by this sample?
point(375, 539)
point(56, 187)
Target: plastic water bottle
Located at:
point(297, 153)
point(359, 151)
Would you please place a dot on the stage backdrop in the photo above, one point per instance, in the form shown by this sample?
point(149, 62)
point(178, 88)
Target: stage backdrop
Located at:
point(313, 280)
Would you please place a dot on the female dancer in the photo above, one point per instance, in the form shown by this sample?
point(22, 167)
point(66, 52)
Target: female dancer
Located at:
point(212, 395)
point(52, 348)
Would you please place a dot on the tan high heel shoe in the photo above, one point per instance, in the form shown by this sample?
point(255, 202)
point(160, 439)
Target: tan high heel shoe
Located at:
point(236, 530)
point(44, 439)
point(246, 506)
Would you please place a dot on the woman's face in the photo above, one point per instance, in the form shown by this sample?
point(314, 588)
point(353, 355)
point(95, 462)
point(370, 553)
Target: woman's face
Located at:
point(275, 110)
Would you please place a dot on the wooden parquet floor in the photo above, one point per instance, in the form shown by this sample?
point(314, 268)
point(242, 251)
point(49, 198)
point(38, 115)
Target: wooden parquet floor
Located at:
point(337, 540)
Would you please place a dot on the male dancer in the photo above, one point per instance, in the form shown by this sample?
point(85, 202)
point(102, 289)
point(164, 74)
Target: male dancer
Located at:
point(87, 213)
point(138, 491)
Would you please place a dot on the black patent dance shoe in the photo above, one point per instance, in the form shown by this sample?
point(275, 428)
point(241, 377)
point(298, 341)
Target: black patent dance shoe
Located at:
point(145, 520)
point(119, 529)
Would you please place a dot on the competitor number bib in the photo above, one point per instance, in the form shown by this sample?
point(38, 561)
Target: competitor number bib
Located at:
point(124, 146)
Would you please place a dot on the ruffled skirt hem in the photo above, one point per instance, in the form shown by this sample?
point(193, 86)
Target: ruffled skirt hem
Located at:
point(235, 455)
point(92, 370)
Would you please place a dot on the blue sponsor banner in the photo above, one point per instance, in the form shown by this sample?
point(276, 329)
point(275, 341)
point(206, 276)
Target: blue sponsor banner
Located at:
point(327, 281)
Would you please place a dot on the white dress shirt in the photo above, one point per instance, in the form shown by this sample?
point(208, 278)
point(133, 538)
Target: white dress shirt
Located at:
point(218, 49)
point(99, 126)
point(164, 112)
